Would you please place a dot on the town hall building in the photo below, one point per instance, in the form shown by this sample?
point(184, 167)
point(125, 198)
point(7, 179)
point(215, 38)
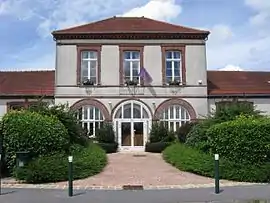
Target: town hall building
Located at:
point(132, 71)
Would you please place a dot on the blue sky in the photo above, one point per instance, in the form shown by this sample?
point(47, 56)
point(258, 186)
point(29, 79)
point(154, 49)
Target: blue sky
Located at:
point(240, 29)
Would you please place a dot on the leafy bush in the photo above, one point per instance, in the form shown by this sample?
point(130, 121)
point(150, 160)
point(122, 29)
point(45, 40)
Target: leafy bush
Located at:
point(109, 147)
point(30, 131)
point(192, 160)
point(3, 166)
point(75, 131)
point(246, 139)
point(226, 111)
point(197, 137)
point(45, 169)
point(105, 134)
point(183, 131)
point(156, 147)
point(160, 133)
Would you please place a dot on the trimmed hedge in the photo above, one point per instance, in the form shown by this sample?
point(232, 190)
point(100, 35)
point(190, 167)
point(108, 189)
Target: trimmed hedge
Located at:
point(109, 147)
point(195, 161)
point(86, 162)
point(156, 147)
point(30, 131)
point(246, 139)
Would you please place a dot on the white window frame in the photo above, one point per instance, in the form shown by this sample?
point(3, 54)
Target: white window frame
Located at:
point(131, 61)
point(173, 61)
point(174, 118)
point(120, 113)
point(90, 118)
point(89, 60)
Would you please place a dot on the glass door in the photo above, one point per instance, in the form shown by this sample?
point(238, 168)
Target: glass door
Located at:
point(138, 134)
point(132, 135)
point(126, 135)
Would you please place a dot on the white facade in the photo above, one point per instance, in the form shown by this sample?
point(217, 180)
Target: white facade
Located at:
point(131, 109)
point(153, 99)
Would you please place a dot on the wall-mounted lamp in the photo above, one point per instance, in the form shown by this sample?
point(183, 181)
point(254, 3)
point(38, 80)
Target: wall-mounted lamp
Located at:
point(110, 105)
point(154, 104)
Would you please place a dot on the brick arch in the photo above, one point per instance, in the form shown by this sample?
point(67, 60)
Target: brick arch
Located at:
point(92, 102)
point(130, 99)
point(179, 102)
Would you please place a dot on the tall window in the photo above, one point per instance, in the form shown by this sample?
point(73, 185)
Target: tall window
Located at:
point(89, 64)
point(173, 66)
point(131, 66)
point(91, 119)
point(174, 117)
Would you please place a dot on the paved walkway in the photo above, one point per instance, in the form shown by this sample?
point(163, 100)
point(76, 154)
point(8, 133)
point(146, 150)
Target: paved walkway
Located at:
point(146, 169)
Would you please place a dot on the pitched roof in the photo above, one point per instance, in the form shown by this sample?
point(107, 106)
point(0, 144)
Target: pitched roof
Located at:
point(220, 83)
point(238, 82)
point(27, 83)
point(129, 25)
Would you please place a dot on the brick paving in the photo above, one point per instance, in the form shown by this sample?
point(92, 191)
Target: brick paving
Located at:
point(146, 169)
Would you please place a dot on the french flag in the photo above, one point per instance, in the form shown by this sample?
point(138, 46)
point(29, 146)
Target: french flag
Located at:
point(145, 76)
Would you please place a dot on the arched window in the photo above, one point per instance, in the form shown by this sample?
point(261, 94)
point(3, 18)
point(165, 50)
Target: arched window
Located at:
point(91, 118)
point(174, 117)
point(132, 110)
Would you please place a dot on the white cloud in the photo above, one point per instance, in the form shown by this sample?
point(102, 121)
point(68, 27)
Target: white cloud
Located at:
point(248, 52)
point(262, 9)
point(247, 45)
point(59, 14)
point(231, 67)
point(156, 9)
point(220, 33)
point(64, 14)
point(18, 8)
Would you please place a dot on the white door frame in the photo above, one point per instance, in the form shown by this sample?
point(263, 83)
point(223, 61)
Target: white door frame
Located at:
point(146, 119)
point(132, 121)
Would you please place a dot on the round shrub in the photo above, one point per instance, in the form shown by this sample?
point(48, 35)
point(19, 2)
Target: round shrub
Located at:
point(156, 147)
point(32, 132)
point(45, 169)
point(195, 161)
point(246, 139)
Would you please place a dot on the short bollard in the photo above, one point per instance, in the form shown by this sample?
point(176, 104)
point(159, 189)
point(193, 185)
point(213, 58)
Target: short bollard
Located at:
point(70, 176)
point(216, 173)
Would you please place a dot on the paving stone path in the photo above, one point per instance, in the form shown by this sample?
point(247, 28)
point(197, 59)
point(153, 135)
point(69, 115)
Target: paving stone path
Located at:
point(146, 169)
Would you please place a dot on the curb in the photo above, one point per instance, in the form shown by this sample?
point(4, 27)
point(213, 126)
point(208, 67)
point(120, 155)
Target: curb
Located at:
point(91, 187)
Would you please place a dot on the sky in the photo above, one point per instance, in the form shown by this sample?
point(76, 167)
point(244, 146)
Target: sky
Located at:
point(239, 39)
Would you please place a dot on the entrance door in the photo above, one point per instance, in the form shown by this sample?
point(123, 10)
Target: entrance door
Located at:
point(138, 134)
point(132, 135)
point(125, 134)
